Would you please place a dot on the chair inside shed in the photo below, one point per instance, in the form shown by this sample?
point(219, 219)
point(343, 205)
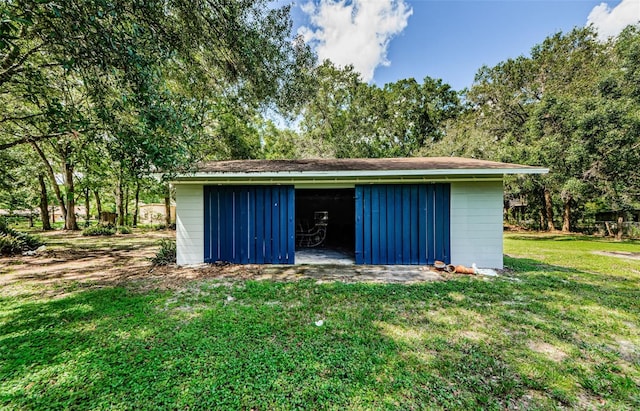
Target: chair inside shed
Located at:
point(325, 226)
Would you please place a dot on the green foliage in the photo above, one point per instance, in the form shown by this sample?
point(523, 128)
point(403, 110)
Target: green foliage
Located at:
point(98, 230)
point(568, 107)
point(108, 93)
point(356, 119)
point(10, 245)
point(280, 144)
point(123, 229)
point(15, 242)
point(166, 254)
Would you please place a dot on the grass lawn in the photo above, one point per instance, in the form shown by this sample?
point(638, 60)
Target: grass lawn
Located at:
point(560, 329)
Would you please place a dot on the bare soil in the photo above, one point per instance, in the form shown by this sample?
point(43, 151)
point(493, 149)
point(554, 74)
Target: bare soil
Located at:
point(125, 259)
point(620, 254)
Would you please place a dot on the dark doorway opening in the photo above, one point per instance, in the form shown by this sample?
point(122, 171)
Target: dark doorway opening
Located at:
point(339, 205)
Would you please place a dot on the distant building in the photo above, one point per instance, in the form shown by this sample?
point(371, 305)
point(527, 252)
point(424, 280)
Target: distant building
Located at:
point(155, 213)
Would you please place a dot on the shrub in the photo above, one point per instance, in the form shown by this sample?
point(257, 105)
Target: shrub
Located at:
point(9, 245)
point(166, 254)
point(14, 242)
point(123, 229)
point(98, 230)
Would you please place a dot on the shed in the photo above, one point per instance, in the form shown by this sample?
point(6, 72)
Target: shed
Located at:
point(382, 211)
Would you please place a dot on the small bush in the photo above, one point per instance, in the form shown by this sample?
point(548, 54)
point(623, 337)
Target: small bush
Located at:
point(98, 230)
point(14, 242)
point(123, 229)
point(9, 245)
point(166, 254)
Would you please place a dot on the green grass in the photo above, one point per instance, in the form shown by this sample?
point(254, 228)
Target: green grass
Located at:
point(559, 330)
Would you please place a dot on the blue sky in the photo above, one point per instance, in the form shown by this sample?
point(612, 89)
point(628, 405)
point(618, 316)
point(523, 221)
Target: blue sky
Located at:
point(387, 40)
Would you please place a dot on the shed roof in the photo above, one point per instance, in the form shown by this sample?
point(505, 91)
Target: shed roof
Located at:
point(358, 164)
point(326, 173)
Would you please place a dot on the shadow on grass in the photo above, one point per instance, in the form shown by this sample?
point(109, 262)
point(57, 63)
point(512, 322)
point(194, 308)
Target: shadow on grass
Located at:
point(568, 238)
point(112, 348)
point(520, 264)
point(262, 349)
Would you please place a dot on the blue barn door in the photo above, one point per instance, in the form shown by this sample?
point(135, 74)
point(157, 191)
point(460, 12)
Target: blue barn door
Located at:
point(249, 224)
point(402, 224)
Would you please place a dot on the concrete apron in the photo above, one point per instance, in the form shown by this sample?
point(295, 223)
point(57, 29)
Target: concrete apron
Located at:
point(334, 265)
point(349, 273)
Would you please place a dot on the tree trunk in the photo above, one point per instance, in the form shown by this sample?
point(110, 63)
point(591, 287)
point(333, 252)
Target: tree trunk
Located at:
point(120, 200)
point(620, 227)
point(136, 209)
point(126, 204)
point(44, 204)
point(167, 206)
point(98, 203)
point(70, 222)
point(548, 207)
point(566, 216)
point(87, 204)
point(52, 178)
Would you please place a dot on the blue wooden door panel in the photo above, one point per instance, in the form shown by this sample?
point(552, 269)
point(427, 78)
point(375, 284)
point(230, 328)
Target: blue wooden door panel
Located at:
point(414, 251)
point(359, 243)
point(383, 244)
point(422, 222)
point(267, 205)
point(366, 207)
point(375, 226)
point(275, 223)
point(390, 240)
point(402, 224)
point(406, 225)
point(259, 226)
point(249, 224)
point(291, 227)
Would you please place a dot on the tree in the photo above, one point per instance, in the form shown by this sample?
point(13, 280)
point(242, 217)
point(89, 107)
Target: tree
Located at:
point(355, 119)
point(143, 79)
point(532, 106)
point(610, 128)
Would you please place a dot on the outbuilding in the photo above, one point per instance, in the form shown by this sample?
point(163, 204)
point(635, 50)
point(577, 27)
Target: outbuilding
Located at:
point(379, 211)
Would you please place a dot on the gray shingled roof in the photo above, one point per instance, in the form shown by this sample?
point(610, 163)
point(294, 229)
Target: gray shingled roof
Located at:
point(354, 164)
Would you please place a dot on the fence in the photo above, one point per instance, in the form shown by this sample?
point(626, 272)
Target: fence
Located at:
point(610, 228)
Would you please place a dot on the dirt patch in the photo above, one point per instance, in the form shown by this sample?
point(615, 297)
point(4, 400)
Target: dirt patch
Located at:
point(119, 260)
point(550, 351)
point(619, 254)
point(69, 257)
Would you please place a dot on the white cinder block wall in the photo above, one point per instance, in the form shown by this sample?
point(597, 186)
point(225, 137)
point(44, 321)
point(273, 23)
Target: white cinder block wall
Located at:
point(476, 224)
point(189, 223)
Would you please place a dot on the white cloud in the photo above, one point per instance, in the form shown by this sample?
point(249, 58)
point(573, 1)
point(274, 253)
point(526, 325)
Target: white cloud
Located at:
point(355, 32)
point(610, 22)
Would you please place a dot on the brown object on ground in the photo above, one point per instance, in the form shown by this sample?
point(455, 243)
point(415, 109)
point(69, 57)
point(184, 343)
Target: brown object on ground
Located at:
point(450, 268)
point(461, 269)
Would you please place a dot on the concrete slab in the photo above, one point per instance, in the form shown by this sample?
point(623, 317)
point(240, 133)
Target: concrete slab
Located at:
point(323, 256)
point(350, 273)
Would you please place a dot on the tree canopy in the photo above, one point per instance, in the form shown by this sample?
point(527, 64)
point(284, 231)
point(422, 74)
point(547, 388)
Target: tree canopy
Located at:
point(97, 96)
point(153, 85)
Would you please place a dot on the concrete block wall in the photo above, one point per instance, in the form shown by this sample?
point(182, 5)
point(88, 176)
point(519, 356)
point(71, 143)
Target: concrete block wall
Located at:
point(476, 224)
point(189, 223)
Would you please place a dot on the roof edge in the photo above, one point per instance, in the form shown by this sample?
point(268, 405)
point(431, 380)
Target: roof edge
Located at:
point(359, 173)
